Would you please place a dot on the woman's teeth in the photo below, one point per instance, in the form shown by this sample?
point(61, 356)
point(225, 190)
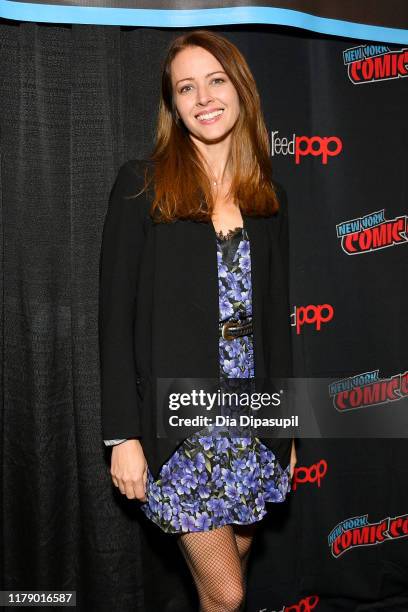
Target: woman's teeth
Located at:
point(210, 115)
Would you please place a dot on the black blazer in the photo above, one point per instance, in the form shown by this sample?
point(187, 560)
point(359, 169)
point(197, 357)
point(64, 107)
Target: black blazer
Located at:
point(158, 309)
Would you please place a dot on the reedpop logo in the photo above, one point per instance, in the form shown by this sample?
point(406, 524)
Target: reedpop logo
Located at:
point(307, 604)
point(311, 314)
point(301, 146)
point(312, 474)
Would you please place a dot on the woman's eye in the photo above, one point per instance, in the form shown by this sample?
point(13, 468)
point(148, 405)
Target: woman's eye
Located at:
point(185, 87)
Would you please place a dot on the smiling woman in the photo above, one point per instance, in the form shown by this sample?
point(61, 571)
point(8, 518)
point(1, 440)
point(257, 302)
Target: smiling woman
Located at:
point(189, 300)
point(205, 99)
point(210, 114)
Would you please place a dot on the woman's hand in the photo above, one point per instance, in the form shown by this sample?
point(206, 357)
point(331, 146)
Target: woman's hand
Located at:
point(129, 469)
point(293, 459)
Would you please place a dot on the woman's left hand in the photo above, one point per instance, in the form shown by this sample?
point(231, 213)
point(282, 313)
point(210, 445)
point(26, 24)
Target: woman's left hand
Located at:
point(293, 459)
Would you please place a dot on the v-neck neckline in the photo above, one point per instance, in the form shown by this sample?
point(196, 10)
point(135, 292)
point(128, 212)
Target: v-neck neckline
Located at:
point(230, 232)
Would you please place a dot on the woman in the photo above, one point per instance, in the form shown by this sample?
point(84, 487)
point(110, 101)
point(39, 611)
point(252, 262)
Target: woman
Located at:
point(194, 241)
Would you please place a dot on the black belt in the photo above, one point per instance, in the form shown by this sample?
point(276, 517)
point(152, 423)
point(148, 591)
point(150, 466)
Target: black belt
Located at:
point(234, 329)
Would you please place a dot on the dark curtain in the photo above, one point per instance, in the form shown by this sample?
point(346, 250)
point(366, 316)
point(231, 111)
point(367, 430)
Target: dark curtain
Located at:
point(71, 112)
point(76, 103)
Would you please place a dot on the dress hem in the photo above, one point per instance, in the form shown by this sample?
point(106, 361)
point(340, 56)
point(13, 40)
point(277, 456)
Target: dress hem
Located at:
point(256, 520)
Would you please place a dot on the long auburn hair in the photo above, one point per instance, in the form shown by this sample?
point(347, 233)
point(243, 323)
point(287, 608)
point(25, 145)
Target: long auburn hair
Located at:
point(182, 188)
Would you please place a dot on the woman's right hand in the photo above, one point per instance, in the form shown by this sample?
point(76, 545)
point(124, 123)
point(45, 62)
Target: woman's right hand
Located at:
point(129, 469)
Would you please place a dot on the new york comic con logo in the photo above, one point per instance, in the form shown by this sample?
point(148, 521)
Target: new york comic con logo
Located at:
point(372, 63)
point(357, 531)
point(367, 389)
point(372, 232)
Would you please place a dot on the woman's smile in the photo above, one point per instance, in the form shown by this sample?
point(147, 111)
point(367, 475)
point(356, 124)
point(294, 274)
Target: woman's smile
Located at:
point(208, 118)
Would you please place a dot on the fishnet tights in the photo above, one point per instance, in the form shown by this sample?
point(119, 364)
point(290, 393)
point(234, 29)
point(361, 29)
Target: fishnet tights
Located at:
point(218, 562)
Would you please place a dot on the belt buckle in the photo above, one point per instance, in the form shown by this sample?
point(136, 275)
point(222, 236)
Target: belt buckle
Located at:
point(225, 327)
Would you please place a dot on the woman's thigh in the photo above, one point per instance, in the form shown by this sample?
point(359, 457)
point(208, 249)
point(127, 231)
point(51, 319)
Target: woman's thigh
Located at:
point(214, 560)
point(244, 535)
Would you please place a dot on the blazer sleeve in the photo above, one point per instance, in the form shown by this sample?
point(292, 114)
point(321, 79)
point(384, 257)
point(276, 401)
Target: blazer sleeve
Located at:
point(284, 234)
point(121, 249)
point(284, 246)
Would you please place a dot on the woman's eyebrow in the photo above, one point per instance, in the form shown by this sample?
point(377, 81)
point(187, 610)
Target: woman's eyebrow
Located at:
point(193, 79)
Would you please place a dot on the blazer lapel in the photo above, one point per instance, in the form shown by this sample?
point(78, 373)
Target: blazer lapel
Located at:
point(259, 248)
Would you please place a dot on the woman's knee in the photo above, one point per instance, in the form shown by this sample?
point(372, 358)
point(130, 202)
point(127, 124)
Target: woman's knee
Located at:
point(228, 595)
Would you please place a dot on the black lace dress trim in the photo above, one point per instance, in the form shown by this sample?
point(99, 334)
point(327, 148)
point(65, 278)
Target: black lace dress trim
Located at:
point(229, 234)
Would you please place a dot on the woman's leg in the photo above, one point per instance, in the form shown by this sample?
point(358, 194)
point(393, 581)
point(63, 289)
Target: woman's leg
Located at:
point(244, 536)
point(215, 563)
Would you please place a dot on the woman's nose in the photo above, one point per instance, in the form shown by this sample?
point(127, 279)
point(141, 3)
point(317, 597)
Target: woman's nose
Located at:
point(203, 95)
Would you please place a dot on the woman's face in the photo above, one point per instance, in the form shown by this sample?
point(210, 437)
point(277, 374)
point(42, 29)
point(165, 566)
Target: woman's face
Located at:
point(204, 96)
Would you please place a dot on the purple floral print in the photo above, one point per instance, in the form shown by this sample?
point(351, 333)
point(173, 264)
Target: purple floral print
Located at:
point(213, 479)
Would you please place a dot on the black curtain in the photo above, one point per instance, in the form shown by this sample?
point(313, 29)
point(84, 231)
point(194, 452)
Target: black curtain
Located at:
point(76, 102)
point(72, 112)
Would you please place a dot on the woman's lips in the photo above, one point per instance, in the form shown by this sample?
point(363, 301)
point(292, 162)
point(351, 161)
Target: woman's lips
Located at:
point(209, 121)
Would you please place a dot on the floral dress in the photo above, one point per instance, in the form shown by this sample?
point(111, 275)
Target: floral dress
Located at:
point(214, 479)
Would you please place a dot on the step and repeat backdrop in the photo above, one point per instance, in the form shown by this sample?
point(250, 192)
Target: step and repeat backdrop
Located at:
point(334, 108)
point(333, 79)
